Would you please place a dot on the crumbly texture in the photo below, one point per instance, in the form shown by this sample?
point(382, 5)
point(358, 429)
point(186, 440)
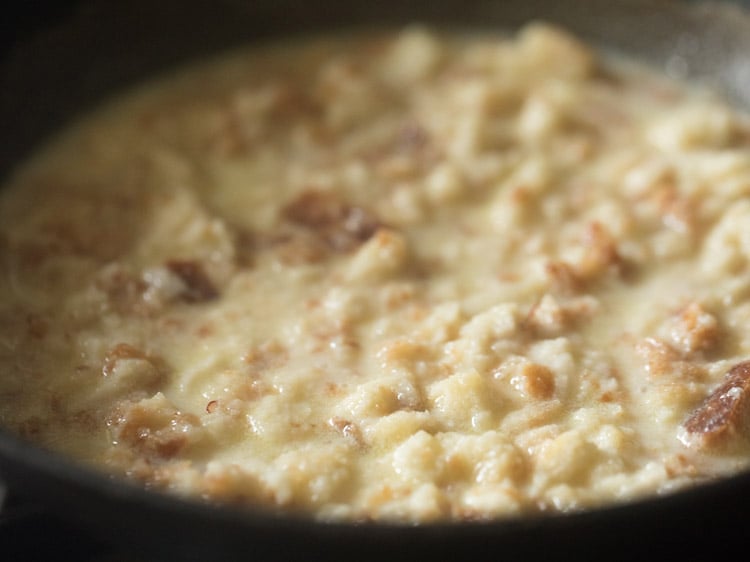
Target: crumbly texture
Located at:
point(393, 276)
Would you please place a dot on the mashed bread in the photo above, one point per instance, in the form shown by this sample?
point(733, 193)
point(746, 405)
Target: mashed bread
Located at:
point(404, 276)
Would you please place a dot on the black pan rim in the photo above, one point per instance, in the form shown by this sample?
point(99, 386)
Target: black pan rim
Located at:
point(22, 455)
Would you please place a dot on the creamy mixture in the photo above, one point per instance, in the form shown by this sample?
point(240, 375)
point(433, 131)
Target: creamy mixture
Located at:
point(402, 276)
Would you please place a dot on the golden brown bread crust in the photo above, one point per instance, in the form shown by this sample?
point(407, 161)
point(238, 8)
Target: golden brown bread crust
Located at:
point(724, 416)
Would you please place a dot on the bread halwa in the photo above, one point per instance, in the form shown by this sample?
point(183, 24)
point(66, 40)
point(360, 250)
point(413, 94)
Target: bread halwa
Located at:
point(399, 276)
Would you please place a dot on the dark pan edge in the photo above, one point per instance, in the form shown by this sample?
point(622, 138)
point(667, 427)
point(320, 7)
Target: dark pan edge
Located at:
point(701, 520)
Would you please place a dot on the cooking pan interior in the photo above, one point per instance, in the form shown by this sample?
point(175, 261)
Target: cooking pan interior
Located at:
point(85, 50)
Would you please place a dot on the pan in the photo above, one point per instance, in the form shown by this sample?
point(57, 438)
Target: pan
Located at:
point(67, 56)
